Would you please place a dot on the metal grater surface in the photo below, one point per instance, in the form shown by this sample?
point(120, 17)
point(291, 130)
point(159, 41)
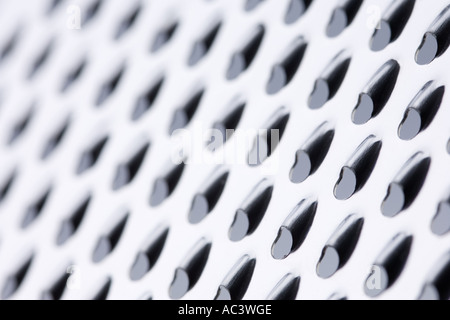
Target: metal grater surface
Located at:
point(350, 204)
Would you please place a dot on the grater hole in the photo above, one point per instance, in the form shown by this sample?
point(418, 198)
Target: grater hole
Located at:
point(146, 297)
point(90, 157)
point(342, 17)
point(435, 41)
point(41, 60)
point(128, 22)
point(377, 93)
point(187, 275)
point(73, 76)
point(251, 5)
point(71, 224)
point(127, 171)
point(340, 247)
point(441, 221)
point(108, 242)
point(6, 186)
point(337, 297)
point(92, 11)
point(392, 24)
point(295, 10)
point(148, 256)
point(202, 46)
point(421, 111)
point(163, 37)
point(21, 126)
point(8, 48)
point(328, 84)
point(146, 101)
point(355, 174)
point(55, 140)
point(311, 156)
point(207, 198)
point(252, 211)
point(268, 138)
point(164, 186)
point(242, 59)
point(437, 286)
point(224, 129)
point(54, 4)
point(15, 280)
point(57, 289)
point(406, 186)
point(109, 87)
point(389, 265)
point(284, 71)
point(183, 116)
point(428, 49)
point(35, 209)
point(236, 283)
point(294, 230)
point(286, 289)
point(103, 292)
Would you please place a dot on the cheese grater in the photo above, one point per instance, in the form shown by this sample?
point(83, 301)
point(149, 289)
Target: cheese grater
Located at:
point(122, 173)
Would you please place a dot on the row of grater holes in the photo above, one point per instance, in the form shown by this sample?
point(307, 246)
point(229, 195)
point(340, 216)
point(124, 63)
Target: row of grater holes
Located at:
point(418, 117)
point(336, 253)
point(133, 166)
point(392, 24)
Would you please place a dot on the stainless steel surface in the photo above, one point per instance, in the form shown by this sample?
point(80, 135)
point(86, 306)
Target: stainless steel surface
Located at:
point(65, 90)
